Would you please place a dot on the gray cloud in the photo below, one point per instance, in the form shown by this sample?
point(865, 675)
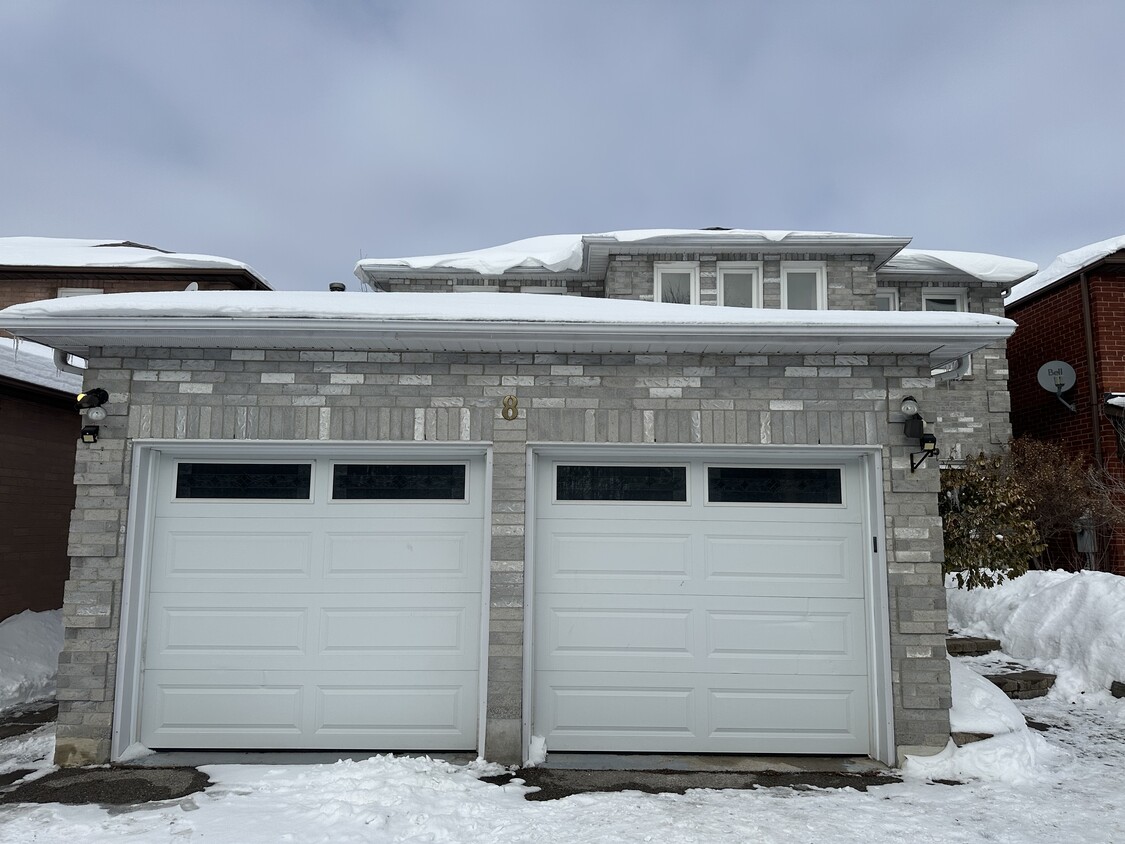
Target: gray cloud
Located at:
point(301, 136)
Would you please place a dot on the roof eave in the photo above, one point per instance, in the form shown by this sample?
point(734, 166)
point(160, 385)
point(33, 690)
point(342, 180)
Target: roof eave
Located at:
point(77, 336)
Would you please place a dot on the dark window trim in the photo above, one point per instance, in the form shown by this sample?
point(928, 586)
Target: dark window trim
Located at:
point(462, 464)
point(651, 464)
point(176, 481)
point(710, 502)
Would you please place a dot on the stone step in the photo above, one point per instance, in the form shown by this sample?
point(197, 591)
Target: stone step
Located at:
point(1022, 685)
point(970, 645)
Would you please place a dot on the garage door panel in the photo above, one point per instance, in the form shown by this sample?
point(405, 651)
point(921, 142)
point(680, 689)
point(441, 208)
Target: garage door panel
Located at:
point(764, 561)
point(189, 551)
point(339, 632)
point(192, 709)
point(356, 710)
point(399, 637)
point(818, 636)
point(581, 635)
point(592, 709)
point(193, 630)
point(393, 556)
point(717, 713)
point(432, 715)
point(631, 551)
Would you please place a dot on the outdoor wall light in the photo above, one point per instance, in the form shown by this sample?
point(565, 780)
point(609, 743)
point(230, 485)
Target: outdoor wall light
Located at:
point(914, 428)
point(90, 434)
point(89, 404)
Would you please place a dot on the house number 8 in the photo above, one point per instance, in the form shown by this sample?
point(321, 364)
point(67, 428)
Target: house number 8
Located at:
point(511, 408)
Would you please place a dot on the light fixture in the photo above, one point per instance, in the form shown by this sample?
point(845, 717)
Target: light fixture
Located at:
point(90, 434)
point(914, 428)
point(91, 398)
point(89, 404)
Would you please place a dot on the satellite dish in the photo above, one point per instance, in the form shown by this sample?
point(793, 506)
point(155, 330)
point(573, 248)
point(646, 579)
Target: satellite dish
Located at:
point(193, 286)
point(1056, 376)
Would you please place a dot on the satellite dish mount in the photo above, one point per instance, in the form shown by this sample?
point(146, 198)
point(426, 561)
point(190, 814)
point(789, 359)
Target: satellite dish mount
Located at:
point(1058, 377)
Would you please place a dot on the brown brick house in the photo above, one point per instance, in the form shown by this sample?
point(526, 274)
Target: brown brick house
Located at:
point(38, 423)
point(1074, 311)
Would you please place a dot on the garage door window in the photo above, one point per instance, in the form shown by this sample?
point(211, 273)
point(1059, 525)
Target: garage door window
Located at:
point(621, 483)
point(405, 481)
point(773, 485)
point(257, 481)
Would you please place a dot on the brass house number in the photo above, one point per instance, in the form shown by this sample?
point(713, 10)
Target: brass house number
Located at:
point(511, 408)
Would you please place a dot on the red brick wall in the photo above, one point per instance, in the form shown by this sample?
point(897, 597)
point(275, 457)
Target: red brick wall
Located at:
point(37, 443)
point(1051, 328)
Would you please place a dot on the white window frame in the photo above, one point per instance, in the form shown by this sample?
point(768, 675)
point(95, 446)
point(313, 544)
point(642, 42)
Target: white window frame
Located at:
point(752, 267)
point(805, 266)
point(958, 293)
point(961, 295)
point(661, 267)
point(890, 293)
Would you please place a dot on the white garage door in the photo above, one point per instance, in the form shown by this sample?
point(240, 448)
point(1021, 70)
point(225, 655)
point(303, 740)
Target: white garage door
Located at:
point(701, 606)
point(314, 603)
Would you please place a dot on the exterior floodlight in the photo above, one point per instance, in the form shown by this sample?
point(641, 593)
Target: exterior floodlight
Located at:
point(909, 407)
point(90, 434)
point(91, 398)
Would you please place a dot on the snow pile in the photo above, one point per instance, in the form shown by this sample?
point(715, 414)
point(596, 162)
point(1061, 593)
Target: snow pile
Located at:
point(1069, 624)
point(29, 656)
point(1014, 754)
point(1064, 265)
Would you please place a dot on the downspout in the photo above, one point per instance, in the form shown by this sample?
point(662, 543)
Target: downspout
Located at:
point(63, 364)
point(1088, 329)
point(959, 371)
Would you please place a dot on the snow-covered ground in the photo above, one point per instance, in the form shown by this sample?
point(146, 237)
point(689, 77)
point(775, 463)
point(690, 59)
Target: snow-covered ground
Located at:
point(1063, 785)
point(29, 656)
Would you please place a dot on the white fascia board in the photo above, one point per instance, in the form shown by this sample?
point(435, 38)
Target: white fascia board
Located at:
point(76, 336)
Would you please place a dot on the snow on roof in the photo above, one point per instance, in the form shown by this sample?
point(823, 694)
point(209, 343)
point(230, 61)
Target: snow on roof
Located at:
point(565, 252)
point(1066, 264)
point(486, 322)
point(72, 252)
point(34, 364)
point(461, 307)
point(980, 265)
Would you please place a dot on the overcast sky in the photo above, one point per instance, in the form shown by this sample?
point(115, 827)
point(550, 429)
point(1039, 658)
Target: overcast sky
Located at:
point(301, 136)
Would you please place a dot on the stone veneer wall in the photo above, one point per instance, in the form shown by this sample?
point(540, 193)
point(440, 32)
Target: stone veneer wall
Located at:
point(379, 396)
point(971, 414)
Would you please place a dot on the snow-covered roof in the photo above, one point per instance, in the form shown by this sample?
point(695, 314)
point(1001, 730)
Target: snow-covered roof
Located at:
point(34, 364)
point(73, 253)
point(575, 253)
point(485, 322)
point(979, 265)
point(1066, 264)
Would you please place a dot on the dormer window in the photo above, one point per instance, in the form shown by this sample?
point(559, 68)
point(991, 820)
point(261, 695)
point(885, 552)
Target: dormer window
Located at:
point(804, 286)
point(676, 282)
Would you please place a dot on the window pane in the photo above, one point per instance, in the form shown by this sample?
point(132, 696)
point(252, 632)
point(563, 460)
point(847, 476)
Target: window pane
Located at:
point(884, 301)
point(243, 480)
point(621, 483)
point(800, 290)
point(675, 287)
point(757, 485)
point(738, 290)
point(399, 480)
point(941, 303)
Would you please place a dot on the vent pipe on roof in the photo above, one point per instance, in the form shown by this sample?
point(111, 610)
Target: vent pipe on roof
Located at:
point(337, 286)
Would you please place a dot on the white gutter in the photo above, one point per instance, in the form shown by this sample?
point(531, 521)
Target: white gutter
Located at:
point(77, 334)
